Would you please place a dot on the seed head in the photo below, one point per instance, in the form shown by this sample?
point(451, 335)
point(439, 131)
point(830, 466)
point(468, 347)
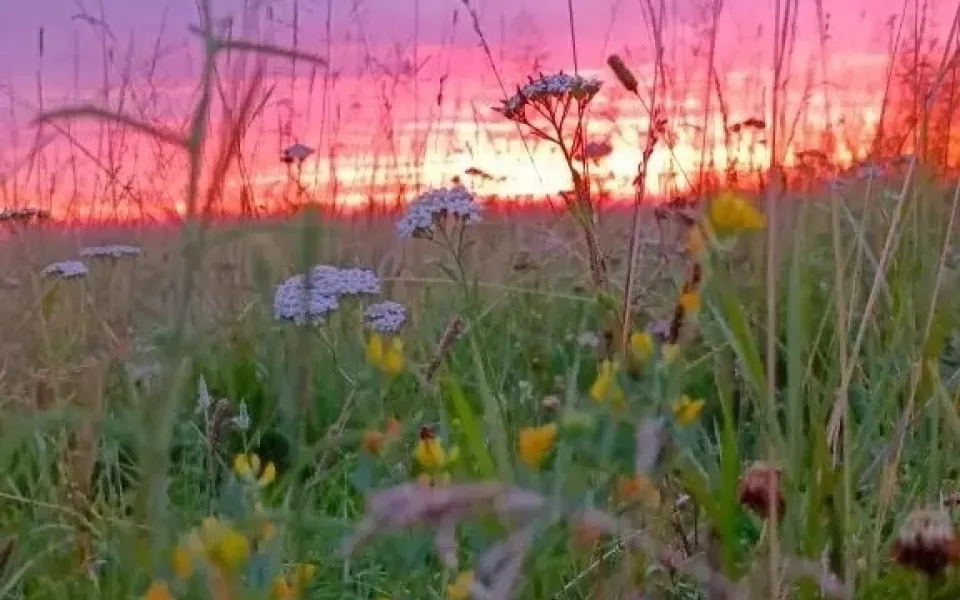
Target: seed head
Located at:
point(624, 75)
point(296, 153)
point(759, 485)
point(927, 542)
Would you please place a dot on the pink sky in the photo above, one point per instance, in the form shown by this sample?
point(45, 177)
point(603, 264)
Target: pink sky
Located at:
point(370, 42)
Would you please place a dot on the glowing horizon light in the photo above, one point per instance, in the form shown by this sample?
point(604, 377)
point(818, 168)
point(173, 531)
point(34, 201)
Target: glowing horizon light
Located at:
point(382, 129)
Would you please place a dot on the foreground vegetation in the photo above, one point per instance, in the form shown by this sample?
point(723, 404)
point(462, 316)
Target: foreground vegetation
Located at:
point(758, 399)
point(495, 441)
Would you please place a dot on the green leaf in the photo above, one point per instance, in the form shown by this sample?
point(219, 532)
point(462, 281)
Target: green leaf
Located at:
point(475, 442)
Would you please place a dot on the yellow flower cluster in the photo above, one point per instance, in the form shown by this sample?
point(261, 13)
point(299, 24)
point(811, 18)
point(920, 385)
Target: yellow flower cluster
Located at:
point(375, 441)
point(290, 585)
point(607, 385)
point(535, 443)
point(250, 470)
point(433, 458)
point(638, 489)
point(158, 590)
point(686, 410)
point(386, 355)
point(730, 213)
point(215, 542)
point(641, 346)
point(460, 588)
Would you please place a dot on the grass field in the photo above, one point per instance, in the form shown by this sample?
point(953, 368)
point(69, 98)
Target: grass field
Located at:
point(754, 397)
point(120, 426)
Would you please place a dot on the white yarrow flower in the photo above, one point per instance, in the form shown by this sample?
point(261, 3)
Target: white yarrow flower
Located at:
point(385, 317)
point(307, 300)
point(430, 208)
point(67, 269)
point(111, 251)
point(294, 300)
point(556, 87)
point(296, 153)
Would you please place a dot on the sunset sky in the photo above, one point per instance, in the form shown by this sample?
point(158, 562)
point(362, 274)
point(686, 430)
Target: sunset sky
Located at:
point(407, 97)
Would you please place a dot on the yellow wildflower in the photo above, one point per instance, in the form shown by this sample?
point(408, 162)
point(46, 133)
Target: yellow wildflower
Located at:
point(606, 384)
point(224, 546)
point(671, 352)
point(158, 590)
point(283, 589)
point(430, 454)
point(686, 410)
point(640, 489)
point(304, 573)
point(641, 346)
point(266, 529)
point(248, 468)
point(461, 586)
point(393, 359)
point(535, 443)
point(374, 442)
point(182, 562)
point(232, 551)
point(730, 212)
point(690, 302)
point(388, 358)
point(394, 428)
point(374, 350)
point(696, 242)
point(585, 535)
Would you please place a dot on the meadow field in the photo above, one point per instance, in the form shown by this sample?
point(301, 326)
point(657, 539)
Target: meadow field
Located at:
point(750, 394)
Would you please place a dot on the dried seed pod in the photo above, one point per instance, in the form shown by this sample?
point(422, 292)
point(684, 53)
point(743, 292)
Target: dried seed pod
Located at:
point(624, 75)
point(760, 487)
point(927, 542)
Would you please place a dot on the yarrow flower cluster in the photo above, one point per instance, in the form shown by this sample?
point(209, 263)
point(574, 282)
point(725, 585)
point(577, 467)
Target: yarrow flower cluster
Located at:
point(296, 153)
point(111, 251)
point(385, 317)
point(308, 299)
point(559, 86)
point(294, 300)
point(431, 208)
point(66, 269)
point(23, 214)
point(333, 281)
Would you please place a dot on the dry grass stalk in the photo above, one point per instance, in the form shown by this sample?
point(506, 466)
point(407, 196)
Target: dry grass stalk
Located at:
point(658, 124)
point(450, 336)
point(80, 452)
